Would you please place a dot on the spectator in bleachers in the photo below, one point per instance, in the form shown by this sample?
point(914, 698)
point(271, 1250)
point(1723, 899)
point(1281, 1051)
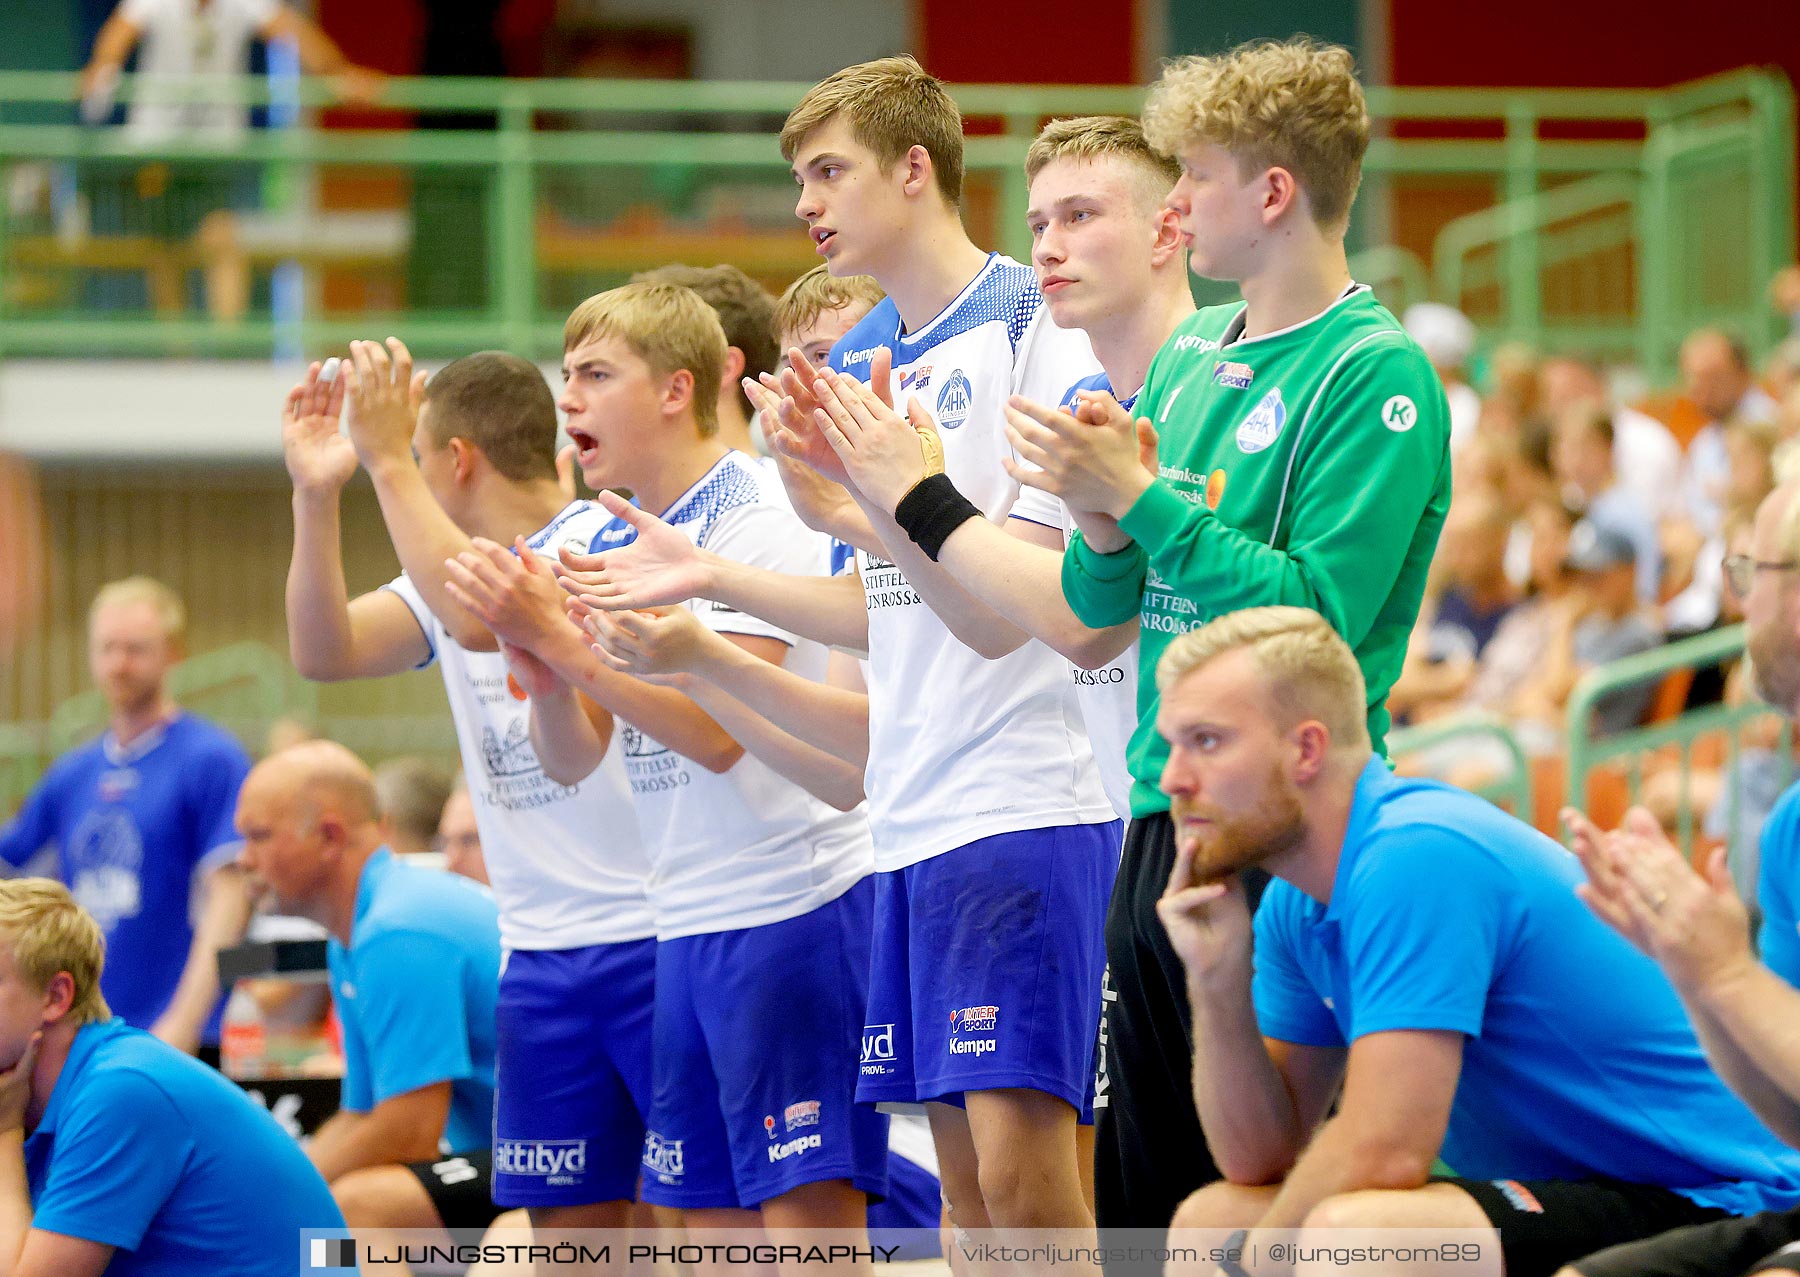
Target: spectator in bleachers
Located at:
point(1784, 296)
point(458, 837)
point(1513, 379)
point(1425, 985)
point(1467, 600)
point(1694, 576)
point(1695, 926)
point(141, 820)
point(1585, 454)
point(1781, 371)
point(1526, 479)
point(179, 44)
point(1716, 376)
point(412, 791)
point(746, 312)
point(1646, 454)
point(1598, 619)
point(414, 957)
point(1447, 337)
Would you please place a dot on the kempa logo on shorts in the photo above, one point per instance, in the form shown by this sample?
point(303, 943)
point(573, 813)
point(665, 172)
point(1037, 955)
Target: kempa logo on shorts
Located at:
point(1263, 424)
point(953, 401)
point(877, 1050)
point(662, 1158)
point(972, 1046)
point(779, 1152)
point(805, 1113)
point(549, 1159)
point(1236, 376)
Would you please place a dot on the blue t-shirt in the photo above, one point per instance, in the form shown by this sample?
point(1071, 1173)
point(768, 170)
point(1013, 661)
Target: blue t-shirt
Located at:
point(1778, 887)
point(1448, 914)
point(134, 827)
point(147, 1150)
point(415, 993)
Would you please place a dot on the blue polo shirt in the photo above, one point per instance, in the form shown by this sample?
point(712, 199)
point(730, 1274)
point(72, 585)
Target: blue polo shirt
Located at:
point(134, 828)
point(415, 992)
point(1778, 887)
point(147, 1150)
point(1579, 1061)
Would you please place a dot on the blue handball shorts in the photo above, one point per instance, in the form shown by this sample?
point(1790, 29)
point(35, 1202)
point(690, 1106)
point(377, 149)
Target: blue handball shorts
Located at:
point(756, 1043)
point(987, 968)
point(572, 1074)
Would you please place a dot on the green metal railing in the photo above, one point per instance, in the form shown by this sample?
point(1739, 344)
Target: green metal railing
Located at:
point(1510, 790)
point(594, 154)
point(1630, 749)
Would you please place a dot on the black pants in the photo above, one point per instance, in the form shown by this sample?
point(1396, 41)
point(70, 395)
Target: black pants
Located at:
point(1150, 1152)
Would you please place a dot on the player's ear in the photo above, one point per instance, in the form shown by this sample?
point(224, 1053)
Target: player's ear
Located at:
point(1166, 243)
point(917, 175)
point(1280, 193)
point(678, 392)
point(1312, 748)
point(462, 458)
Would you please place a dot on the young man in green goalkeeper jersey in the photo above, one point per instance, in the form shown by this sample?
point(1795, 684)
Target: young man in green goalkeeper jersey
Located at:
point(1303, 459)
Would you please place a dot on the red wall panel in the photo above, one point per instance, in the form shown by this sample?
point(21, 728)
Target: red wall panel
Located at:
point(1594, 43)
point(1029, 41)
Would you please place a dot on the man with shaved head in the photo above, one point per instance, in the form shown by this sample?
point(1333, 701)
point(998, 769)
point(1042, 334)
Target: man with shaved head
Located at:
point(415, 965)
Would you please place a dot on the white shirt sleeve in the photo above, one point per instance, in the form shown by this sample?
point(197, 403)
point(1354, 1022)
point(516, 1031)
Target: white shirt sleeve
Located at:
point(142, 13)
point(1034, 505)
point(761, 536)
point(409, 594)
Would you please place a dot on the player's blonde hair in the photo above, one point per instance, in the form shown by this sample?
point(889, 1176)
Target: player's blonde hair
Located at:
point(1293, 104)
point(1309, 671)
point(1089, 137)
point(667, 326)
point(892, 105)
point(47, 933)
point(171, 614)
point(819, 291)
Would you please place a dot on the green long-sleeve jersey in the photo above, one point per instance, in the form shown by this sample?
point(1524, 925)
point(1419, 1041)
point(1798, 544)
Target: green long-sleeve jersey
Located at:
point(1307, 467)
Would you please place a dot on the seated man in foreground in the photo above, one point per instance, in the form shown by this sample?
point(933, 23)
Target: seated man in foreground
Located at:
point(415, 971)
point(1427, 952)
point(119, 1154)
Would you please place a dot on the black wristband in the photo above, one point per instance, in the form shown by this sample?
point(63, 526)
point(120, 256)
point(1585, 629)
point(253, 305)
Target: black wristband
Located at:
point(931, 511)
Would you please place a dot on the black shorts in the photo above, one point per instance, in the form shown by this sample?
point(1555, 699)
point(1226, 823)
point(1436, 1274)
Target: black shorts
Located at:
point(1731, 1247)
point(1546, 1224)
point(461, 1188)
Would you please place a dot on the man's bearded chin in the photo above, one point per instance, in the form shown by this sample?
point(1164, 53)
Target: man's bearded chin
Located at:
point(1231, 844)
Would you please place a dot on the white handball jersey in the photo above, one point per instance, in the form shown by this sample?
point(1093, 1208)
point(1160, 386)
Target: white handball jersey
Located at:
point(566, 861)
point(1108, 695)
point(745, 847)
point(962, 748)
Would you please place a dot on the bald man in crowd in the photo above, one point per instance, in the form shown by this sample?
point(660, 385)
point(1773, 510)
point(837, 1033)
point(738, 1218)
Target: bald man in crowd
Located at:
point(415, 966)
